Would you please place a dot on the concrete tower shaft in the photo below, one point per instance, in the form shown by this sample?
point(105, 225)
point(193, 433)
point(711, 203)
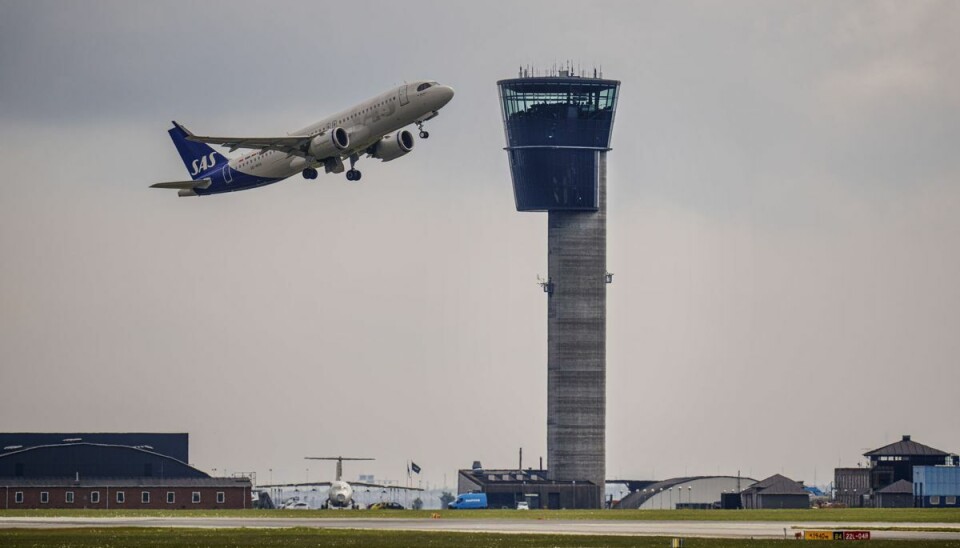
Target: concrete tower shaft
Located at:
point(576, 341)
point(558, 131)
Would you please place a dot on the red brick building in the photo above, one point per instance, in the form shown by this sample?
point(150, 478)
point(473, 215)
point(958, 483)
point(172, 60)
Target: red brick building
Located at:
point(126, 493)
point(79, 474)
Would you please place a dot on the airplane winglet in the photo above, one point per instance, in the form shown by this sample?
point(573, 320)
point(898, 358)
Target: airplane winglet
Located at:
point(182, 128)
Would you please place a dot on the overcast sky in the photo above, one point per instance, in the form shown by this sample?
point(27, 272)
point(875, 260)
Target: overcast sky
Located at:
point(783, 226)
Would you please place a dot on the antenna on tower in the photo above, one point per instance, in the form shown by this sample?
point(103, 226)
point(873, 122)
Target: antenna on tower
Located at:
point(546, 284)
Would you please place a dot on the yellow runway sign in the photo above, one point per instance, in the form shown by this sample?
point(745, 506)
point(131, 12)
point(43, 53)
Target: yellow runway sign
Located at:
point(836, 535)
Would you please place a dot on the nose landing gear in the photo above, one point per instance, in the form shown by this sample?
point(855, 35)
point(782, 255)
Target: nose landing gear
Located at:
point(310, 173)
point(424, 134)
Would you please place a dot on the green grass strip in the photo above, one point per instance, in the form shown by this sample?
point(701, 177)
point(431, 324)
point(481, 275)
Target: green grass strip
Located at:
point(313, 538)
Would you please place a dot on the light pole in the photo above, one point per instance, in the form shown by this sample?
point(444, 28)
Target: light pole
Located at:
point(661, 498)
point(690, 495)
point(670, 490)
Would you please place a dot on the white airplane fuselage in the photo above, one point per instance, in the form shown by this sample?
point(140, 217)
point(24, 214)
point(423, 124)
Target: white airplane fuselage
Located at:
point(340, 495)
point(373, 127)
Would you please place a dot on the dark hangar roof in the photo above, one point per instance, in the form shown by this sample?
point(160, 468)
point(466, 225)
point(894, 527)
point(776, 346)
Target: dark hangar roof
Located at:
point(906, 448)
point(92, 460)
point(901, 487)
point(176, 445)
point(777, 485)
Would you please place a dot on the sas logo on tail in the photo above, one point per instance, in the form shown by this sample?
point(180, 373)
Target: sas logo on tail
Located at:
point(204, 163)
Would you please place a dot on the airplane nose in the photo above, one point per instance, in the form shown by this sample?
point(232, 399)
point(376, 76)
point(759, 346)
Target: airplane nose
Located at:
point(446, 93)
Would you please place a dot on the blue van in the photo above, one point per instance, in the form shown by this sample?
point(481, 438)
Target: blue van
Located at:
point(469, 501)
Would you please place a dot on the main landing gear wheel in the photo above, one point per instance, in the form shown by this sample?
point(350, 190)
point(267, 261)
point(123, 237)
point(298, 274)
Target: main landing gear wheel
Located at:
point(423, 133)
point(354, 175)
point(310, 173)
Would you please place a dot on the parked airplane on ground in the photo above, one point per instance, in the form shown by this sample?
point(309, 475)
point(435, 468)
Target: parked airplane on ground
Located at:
point(340, 494)
point(374, 127)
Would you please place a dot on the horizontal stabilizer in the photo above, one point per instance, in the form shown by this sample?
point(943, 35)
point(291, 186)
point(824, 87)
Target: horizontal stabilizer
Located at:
point(183, 185)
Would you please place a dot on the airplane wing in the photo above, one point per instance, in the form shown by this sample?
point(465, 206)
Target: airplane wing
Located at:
point(295, 145)
point(183, 185)
point(310, 484)
point(378, 486)
point(291, 145)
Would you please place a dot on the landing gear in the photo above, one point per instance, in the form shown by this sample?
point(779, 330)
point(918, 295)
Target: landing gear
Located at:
point(310, 173)
point(354, 174)
point(424, 134)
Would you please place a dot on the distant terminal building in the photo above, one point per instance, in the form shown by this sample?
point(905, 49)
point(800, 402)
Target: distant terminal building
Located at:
point(82, 470)
point(898, 494)
point(697, 492)
point(890, 464)
point(936, 486)
point(775, 492)
point(895, 461)
point(851, 486)
point(505, 488)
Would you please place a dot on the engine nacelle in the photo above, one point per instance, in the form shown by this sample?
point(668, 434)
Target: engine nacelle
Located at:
point(393, 145)
point(328, 144)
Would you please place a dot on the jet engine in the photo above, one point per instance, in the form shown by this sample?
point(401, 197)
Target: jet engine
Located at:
point(393, 145)
point(330, 143)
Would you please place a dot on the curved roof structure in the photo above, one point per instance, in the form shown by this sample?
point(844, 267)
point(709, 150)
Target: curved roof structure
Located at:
point(92, 460)
point(662, 489)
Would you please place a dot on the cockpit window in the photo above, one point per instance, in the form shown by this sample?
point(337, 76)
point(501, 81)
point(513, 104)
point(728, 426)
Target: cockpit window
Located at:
point(422, 87)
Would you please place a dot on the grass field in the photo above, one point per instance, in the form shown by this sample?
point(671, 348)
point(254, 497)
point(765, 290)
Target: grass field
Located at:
point(302, 538)
point(927, 515)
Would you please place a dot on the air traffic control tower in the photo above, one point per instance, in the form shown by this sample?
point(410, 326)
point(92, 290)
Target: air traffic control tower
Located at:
point(558, 131)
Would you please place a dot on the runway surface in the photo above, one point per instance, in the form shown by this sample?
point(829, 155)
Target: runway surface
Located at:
point(717, 529)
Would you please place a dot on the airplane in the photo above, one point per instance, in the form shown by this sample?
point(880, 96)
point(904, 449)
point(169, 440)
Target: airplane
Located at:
point(340, 494)
point(373, 127)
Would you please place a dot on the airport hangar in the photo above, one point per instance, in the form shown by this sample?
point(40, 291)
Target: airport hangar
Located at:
point(904, 473)
point(110, 471)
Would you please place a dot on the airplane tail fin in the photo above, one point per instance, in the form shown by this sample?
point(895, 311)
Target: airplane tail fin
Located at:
point(199, 158)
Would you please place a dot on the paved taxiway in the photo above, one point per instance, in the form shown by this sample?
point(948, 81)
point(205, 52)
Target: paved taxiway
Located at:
point(717, 529)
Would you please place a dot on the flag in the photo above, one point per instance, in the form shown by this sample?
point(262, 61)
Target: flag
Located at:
point(414, 467)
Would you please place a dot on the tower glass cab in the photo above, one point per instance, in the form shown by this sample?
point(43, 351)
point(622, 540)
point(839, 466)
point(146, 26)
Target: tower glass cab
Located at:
point(556, 129)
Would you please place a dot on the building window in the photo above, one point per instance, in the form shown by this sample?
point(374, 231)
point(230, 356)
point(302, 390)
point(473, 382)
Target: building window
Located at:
point(68, 497)
point(171, 497)
point(145, 497)
point(44, 497)
point(222, 497)
point(18, 497)
point(95, 497)
point(120, 497)
point(950, 501)
point(196, 497)
point(935, 501)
